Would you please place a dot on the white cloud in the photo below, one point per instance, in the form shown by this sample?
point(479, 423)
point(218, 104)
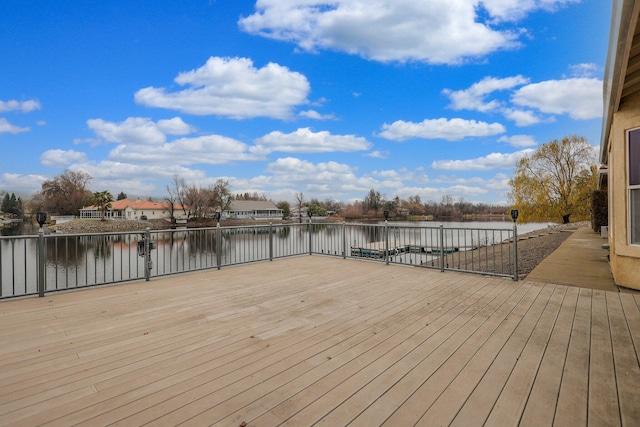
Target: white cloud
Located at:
point(473, 98)
point(6, 127)
point(21, 183)
point(449, 129)
point(489, 162)
point(304, 140)
point(109, 170)
point(175, 126)
point(434, 31)
point(208, 149)
point(580, 98)
point(314, 115)
point(321, 180)
point(585, 70)
point(134, 178)
point(522, 117)
point(511, 10)
point(452, 185)
point(519, 140)
point(292, 165)
point(139, 130)
point(61, 158)
point(24, 106)
point(232, 87)
point(377, 154)
point(388, 174)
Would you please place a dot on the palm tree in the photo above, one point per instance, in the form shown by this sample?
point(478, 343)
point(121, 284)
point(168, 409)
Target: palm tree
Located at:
point(102, 200)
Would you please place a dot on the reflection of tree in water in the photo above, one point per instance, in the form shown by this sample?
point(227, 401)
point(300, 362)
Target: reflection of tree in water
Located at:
point(84, 259)
point(101, 246)
point(66, 251)
point(373, 234)
point(179, 249)
point(283, 232)
point(317, 228)
point(201, 242)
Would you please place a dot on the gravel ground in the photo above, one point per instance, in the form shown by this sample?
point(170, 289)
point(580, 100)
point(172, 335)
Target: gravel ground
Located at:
point(532, 249)
point(535, 247)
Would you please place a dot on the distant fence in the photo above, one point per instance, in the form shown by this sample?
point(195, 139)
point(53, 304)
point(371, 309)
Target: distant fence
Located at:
point(35, 265)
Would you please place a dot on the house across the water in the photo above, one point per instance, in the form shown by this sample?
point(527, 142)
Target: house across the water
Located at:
point(134, 210)
point(253, 209)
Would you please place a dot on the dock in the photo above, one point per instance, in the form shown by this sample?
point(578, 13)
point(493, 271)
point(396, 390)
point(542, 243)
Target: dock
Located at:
point(377, 250)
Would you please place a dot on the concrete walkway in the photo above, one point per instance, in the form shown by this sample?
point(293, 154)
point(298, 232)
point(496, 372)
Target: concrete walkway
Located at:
point(579, 261)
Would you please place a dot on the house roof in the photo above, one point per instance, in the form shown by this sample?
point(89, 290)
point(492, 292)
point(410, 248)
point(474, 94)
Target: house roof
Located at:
point(250, 205)
point(622, 72)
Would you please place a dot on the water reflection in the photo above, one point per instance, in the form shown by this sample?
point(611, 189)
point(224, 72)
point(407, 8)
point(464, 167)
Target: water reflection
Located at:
point(83, 260)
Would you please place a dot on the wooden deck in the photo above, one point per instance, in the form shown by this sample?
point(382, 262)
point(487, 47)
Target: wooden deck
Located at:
point(320, 340)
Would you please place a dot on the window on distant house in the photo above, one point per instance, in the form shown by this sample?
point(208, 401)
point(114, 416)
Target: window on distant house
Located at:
point(634, 186)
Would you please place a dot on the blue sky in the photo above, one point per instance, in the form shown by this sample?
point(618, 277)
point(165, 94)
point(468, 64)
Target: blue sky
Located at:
point(409, 97)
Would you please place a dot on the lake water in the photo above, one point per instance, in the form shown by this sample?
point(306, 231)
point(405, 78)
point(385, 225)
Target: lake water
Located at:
point(85, 260)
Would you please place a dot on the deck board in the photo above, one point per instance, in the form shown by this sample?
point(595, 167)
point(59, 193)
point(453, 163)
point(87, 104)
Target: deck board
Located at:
point(318, 340)
point(546, 388)
point(574, 387)
point(603, 393)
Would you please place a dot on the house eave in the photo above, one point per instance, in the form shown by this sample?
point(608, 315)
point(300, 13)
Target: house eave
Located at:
point(623, 23)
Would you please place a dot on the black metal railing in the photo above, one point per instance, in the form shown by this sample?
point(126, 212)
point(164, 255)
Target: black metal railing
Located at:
point(34, 265)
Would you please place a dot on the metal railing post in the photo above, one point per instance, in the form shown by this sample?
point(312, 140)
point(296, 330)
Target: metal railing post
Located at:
point(218, 246)
point(310, 247)
point(386, 241)
point(344, 239)
point(515, 252)
point(442, 248)
point(270, 241)
point(41, 263)
point(147, 254)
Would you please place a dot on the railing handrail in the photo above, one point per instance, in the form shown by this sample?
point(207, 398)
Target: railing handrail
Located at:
point(61, 255)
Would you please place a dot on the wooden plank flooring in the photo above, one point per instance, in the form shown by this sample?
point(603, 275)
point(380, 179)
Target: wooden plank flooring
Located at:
point(316, 340)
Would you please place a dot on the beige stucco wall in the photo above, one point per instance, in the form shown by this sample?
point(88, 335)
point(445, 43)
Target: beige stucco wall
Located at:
point(625, 258)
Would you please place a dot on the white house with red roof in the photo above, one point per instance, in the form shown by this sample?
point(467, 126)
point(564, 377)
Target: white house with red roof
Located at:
point(134, 210)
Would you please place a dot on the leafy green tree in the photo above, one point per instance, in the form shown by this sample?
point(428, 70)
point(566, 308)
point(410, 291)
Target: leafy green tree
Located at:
point(316, 208)
point(555, 181)
point(5, 203)
point(373, 201)
point(286, 208)
point(121, 196)
point(11, 204)
point(102, 200)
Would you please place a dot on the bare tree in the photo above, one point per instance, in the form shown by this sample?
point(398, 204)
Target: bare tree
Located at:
point(176, 192)
point(197, 201)
point(299, 200)
point(220, 196)
point(66, 193)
